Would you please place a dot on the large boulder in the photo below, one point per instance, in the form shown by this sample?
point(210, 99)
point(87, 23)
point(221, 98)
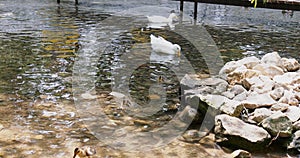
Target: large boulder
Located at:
point(231, 131)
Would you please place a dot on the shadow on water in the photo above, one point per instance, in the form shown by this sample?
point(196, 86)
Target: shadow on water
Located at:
point(40, 41)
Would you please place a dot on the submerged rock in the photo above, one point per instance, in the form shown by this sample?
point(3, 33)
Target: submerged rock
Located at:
point(278, 124)
point(240, 154)
point(189, 82)
point(232, 131)
point(193, 136)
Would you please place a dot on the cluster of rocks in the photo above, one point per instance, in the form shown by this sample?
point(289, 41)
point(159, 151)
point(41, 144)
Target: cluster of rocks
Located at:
point(256, 101)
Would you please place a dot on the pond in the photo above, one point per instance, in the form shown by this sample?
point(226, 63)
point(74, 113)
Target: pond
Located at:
point(57, 58)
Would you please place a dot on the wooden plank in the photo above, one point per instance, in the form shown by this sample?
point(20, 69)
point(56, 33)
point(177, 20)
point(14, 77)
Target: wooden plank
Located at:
point(195, 9)
point(279, 4)
point(181, 5)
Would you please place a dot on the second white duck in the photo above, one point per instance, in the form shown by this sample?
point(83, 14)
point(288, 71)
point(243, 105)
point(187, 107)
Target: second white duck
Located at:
point(160, 45)
point(160, 19)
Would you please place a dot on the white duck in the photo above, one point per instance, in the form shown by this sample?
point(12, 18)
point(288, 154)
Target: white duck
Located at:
point(160, 45)
point(160, 19)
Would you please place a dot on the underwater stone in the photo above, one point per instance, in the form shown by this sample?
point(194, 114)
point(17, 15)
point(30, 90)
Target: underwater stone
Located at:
point(240, 154)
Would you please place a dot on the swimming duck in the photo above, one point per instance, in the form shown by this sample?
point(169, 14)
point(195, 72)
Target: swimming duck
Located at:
point(160, 45)
point(160, 19)
point(83, 152)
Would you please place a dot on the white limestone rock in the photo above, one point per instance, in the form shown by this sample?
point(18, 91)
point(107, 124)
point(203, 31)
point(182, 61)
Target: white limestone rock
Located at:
point(280, 107)
point(290, 64)
point(255, 100)
point(236, 76)
point(293, 113)
point(289, 97)
point(233, 131)
point(232, 108)
point(237, 89)
point(260, 114)
point(241, 97)
point(249, 62)
point(272, 59)
point(277, 93)
point(269, 70)
point(286, 78)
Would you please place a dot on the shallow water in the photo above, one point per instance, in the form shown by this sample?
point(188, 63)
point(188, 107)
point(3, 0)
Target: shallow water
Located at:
point(51, 53)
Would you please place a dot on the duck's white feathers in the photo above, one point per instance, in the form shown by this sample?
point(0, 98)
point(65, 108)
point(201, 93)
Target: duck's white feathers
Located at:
point(160, 45)
point(161, 19)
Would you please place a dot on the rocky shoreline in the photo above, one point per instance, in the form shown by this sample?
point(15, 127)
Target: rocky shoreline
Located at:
point(255, 102)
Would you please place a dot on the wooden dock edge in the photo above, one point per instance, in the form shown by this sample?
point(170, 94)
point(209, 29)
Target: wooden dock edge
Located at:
point(283, 5)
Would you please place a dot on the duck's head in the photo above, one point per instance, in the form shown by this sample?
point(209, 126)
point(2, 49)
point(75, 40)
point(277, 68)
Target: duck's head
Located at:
point(177, 49)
